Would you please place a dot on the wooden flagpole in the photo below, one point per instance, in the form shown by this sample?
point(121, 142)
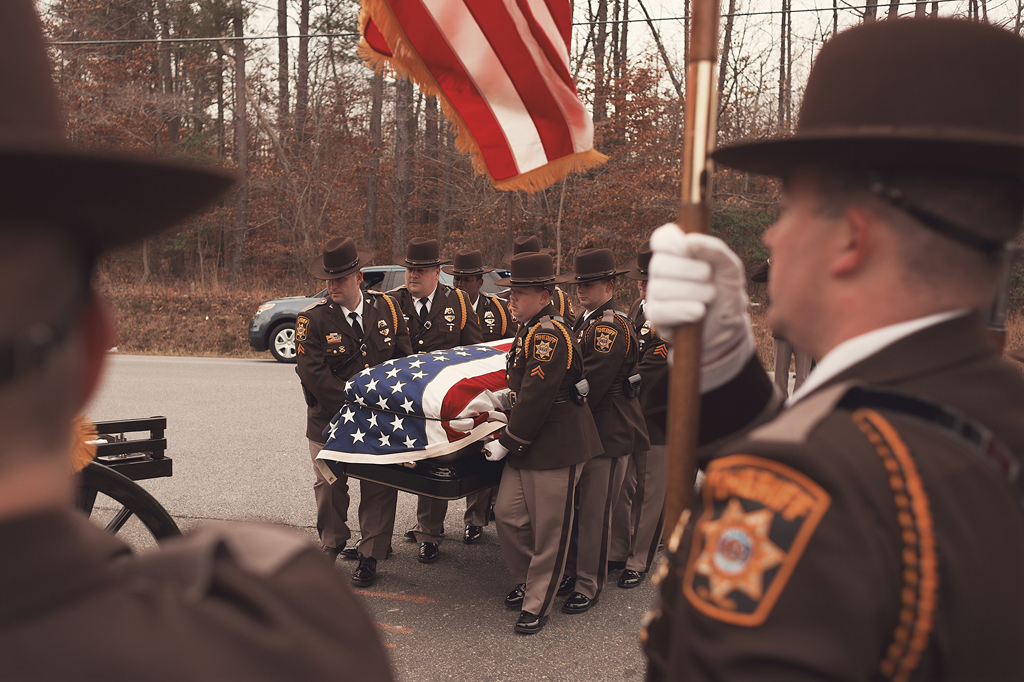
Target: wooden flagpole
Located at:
point(694, 216)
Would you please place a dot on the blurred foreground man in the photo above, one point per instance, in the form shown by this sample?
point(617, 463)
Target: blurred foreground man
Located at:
point(229, 602)
point(550, 436)
point(874, 528)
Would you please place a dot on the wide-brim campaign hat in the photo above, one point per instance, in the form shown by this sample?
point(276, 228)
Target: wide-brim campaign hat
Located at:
point(640, 263)
point(421, 253)
point(529, 244)
point(340, 258)
point(906, 94)
point(104, 200)
point(591, 265)
point(532, 269)
point(468, 262)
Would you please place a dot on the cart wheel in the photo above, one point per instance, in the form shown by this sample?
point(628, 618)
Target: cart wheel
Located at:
point(133, 498)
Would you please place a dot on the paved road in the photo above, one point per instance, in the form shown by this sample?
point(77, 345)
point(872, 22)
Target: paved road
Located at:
point(235, 431)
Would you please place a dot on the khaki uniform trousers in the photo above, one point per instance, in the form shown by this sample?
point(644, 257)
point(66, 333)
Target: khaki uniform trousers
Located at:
point(331, 504)
point(637, 519)
point(376, 519)
point(533, 517)
point(430, 513)
point(596, 496)
point(478, 507)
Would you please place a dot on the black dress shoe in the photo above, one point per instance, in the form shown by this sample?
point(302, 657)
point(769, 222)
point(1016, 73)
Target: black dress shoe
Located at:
point(567, 585)
point(350, 553)
point(366, 572)
point(410, 535)
point(630, 579)
point(529, 624)
point(429, 552)
point(515, 598)
point(616, 565)
point(577, 603)
point(472, 534)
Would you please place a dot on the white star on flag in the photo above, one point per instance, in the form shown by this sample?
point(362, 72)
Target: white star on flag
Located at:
point(416, 364)
point(389, 363)
point(407, 405)
point(365, 372)
point(359, 399)
point(419, 375)
point(410, 442)
point(358, 436)
point(371, 385)
point(462, 353)
point(334, 429)
point(372, 421)
point(382, 403)
point(349, 416)
point(397, 388)
point(385, 440)
point(396, 424)
point(348, 385)
point(392, 373)
point(440, 358)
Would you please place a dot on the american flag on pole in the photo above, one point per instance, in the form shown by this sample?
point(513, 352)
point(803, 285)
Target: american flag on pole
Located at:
point(421, 406)
point(500, 70)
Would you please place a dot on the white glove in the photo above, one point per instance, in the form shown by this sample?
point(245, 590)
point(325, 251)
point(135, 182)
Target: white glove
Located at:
point(697, 277)
point(495, 451)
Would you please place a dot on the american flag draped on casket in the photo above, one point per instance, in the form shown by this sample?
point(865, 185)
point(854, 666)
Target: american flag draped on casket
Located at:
point(421, 406)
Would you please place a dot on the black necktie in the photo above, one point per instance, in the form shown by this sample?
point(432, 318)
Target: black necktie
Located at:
point(355, 325)
point(424, 302)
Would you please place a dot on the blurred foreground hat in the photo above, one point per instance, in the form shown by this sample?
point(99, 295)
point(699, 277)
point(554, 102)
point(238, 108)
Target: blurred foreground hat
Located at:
point(639, 265)
point(421, 253)
point(340, 258)
point(104, 200)
point(931, 94)
point(594, 264)
point(529, 244)
point(531, 269)
point(468, 262)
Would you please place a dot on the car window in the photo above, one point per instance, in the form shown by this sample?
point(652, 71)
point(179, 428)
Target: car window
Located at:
point(371, 280)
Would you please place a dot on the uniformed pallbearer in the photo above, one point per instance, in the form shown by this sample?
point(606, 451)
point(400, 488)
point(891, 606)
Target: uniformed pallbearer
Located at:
point(531, 244)
point(873, 529)
point(637, 519)
point(550, 435)
point(610, 354)
point(496, 323)
point(334, 339)
point(439, 317)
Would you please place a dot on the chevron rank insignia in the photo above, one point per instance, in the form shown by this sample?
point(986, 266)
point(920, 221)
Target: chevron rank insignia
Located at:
point(537, 371)
point(604, 339)
point(543, 346)
point(758, 517)
point(301, 324)
point(661, 351)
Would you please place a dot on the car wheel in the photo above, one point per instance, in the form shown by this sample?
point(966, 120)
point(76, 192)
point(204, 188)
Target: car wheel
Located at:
point(282, 342)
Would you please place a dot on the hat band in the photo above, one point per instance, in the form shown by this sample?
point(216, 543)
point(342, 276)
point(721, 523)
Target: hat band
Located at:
point(545, 280)
point(478, 271)
point(595, 275)
point(422, 263)
point(642, 271)
point(334, 271)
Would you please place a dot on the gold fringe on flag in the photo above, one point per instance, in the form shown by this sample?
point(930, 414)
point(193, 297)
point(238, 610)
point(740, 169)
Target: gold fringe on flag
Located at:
point(406, 63)
point(83, 442)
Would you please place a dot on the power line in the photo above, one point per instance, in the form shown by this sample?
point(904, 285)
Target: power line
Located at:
point(147, 41)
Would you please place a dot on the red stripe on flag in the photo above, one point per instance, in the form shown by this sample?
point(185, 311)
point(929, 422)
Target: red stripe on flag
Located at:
point(504, 39)
point(552, 54)
point(561, 12)
point(426, 38)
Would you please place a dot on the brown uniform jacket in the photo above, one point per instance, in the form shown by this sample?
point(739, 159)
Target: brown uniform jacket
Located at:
point(230, 602)
point(329, 353)
point(610, 353)
point(653, 368)
point(845, 543)
point(450, 321)
point(546, 429)
point(496, 322)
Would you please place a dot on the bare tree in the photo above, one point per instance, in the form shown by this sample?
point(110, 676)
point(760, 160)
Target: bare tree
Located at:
point(404, 123)
point(870, 8)
point(894, 9)
point(373, 180)
point(241, 148)
point(302, 77)
point(282, 65)
point(600, 41)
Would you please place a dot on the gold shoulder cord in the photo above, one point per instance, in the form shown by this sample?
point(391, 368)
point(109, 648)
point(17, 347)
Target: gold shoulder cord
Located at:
point(394, 313)
point(920, 559)
point(568, 342)
point(504, 320)
point(625, 329)
point(462, 304)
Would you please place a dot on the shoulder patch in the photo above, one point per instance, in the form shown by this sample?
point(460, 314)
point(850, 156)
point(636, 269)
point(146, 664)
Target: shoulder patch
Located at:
point(301, 326)
point(604, 338)
point(543, 346)
point(758, 517)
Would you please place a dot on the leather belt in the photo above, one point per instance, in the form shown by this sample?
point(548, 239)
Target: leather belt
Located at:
point(563, 396)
